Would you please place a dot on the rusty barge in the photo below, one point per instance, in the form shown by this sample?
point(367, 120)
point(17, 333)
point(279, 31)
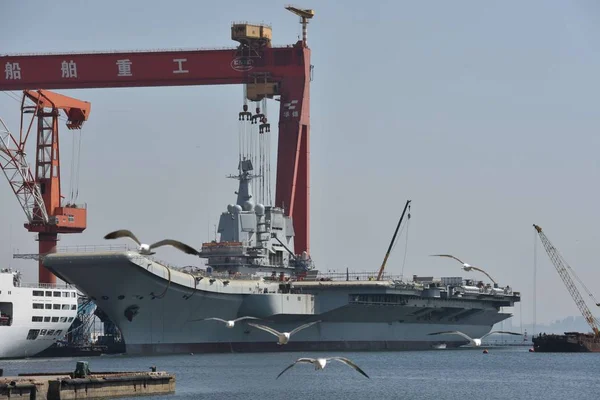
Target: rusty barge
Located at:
point(570, 342)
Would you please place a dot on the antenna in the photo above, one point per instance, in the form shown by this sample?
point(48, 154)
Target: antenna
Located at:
point(305, 15)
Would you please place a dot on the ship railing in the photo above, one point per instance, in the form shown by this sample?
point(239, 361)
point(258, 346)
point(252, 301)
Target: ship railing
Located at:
point(352, 276)
point(45, 285)
point(142, 258)
point(224, 276)
point(94, 248)
point(74, 205)
point(490, 291)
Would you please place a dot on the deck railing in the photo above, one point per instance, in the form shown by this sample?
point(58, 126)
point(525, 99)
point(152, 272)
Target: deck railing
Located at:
point(94, 248)
point(44, 285)
point(352, 276)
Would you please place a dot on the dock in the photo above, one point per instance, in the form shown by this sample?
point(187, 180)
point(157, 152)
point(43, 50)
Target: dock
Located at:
point(82, 384)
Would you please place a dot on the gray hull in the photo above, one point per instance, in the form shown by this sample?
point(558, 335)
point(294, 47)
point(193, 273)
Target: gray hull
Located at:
point(155, 308)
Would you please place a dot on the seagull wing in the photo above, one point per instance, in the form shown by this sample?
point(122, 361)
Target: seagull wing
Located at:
point(504, 332)
point(177, 244)
point(303, 326)
point(483, 272)
point(265, 328)
point(447, 255)
point(349, 363)
point(212, 319)
point(242, 318)
point(122, 233)
point(454, 333)
point(300, 360)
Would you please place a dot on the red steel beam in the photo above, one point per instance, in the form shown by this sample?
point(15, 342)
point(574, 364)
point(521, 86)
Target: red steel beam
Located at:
point(290, 66)
point(151, 68)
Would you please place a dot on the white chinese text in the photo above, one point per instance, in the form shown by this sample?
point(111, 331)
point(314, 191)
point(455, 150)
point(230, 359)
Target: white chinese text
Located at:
point(180, 69)
point(12, 71)
point(69, 69)
point(124, 67)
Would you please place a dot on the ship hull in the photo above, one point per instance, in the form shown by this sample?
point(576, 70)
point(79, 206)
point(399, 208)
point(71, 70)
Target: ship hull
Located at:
point(572, 342)
point(160, 310)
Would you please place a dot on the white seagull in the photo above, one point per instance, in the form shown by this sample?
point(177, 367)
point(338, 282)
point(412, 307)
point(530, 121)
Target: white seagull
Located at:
point(320, 363)
point(283, 337)
point(466, 267)
point(229, 324)
point(473, 342)
point(145, 249)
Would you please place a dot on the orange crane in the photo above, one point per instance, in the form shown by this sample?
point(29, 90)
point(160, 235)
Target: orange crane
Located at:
point(561, 266)
point(40, 195)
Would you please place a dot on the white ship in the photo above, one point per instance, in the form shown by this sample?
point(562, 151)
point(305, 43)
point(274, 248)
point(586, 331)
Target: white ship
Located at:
point(32, 316)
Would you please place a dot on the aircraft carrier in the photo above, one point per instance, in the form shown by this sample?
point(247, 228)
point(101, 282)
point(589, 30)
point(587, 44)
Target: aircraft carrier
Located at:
point(252, 270)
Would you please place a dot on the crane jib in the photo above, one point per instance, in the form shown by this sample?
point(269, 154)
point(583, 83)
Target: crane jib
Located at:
point(562, 268)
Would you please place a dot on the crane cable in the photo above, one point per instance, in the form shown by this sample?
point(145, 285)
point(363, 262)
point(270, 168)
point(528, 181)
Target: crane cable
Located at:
point(405, 245)
point(267, 178)
point(588, 291)
point(78, 163)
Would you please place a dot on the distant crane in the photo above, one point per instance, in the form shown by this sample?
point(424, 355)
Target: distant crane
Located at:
point(40, 196)
point(561, 266)
point(391, 246)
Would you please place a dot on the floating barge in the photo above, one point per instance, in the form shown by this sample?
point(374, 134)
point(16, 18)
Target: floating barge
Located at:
point(77, 385)
point(570, 342)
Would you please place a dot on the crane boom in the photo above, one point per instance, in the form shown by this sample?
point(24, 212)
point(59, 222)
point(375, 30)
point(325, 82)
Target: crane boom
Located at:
point(559, 264)
point(39, 194)
point(387, 254)
point(16, 169)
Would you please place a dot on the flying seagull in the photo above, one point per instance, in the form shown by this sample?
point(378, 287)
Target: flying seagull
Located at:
point(145, 249)
point(473, 342)
point(283, 337)
point(229, 324)
point(320, 363)
point(466, 267)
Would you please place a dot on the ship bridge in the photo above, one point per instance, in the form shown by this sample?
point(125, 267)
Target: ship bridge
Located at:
point(253, 236)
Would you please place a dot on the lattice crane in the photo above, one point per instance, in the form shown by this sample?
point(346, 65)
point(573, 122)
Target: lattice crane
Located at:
point(267, 71)
point(561, 266)
point(40, 195)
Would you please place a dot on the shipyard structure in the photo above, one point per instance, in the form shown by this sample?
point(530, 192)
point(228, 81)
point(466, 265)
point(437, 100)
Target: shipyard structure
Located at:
point(259, 264)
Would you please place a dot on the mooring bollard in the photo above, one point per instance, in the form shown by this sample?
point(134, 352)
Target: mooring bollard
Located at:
point(82, 369)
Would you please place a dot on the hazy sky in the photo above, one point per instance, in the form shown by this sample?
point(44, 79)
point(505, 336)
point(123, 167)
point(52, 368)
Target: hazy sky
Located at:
point(485, 114)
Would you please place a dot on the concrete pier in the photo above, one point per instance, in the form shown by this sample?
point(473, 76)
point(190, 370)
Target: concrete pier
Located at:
point(62, 386)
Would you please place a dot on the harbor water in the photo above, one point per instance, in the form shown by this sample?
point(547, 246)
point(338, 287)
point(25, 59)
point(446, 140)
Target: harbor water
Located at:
point(503, 373)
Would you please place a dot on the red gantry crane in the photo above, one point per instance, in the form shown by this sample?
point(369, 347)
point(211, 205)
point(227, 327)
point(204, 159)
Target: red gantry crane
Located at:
point(40, 195)
point(266, 71)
